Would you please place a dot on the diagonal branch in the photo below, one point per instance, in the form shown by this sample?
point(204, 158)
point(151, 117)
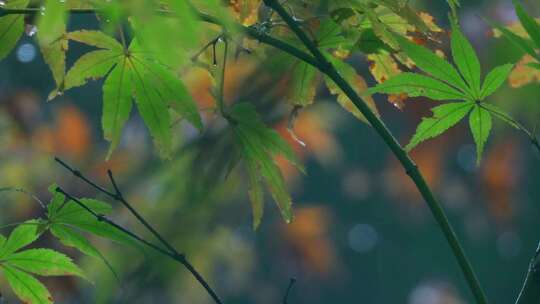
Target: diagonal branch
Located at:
point(170, 251)
point(411, 168)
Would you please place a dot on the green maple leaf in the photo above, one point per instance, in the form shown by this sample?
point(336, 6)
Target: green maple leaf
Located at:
point(259, 145)
point(131, 74)
point(66, 218)
point(443, 81)
point(18, 265)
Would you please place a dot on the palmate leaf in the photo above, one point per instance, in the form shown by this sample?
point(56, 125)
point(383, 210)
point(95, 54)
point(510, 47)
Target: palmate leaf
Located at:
point(66, 233)
point(444, 117)
point(132, 73)
point(17, 265)
point(11, 28)
point(259, 146)
point(447, 84)
point(480, 123)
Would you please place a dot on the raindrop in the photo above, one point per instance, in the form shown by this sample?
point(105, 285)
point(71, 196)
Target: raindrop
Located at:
point(26, 53)
point(30, 29)
point(42, 10)
point(363, 238)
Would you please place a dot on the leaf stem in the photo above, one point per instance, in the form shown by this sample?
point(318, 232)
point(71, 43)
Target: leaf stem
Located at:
point(411, 168)
point(221, 93)
point(516, 124)
point(170, 251)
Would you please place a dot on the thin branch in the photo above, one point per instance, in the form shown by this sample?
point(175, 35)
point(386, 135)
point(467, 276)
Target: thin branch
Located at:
point(170, 251)
point(120, 197)
point(288, 291)
point(104, 219)
point(411, 168)
point(530, 292)
point(20, 190)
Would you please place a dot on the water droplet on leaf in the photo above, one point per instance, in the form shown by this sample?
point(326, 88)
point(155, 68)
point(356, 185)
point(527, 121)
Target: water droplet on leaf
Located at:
point(30, 29)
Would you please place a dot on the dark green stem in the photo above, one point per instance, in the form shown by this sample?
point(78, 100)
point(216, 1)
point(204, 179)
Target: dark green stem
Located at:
point(35, 10)
point(530, 292)
point(410, 167)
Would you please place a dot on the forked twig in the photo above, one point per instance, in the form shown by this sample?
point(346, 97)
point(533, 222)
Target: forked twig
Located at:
point(170, 251)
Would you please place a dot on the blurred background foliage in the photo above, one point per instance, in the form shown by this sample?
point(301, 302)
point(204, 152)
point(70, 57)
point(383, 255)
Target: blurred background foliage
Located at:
point(361, 234)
